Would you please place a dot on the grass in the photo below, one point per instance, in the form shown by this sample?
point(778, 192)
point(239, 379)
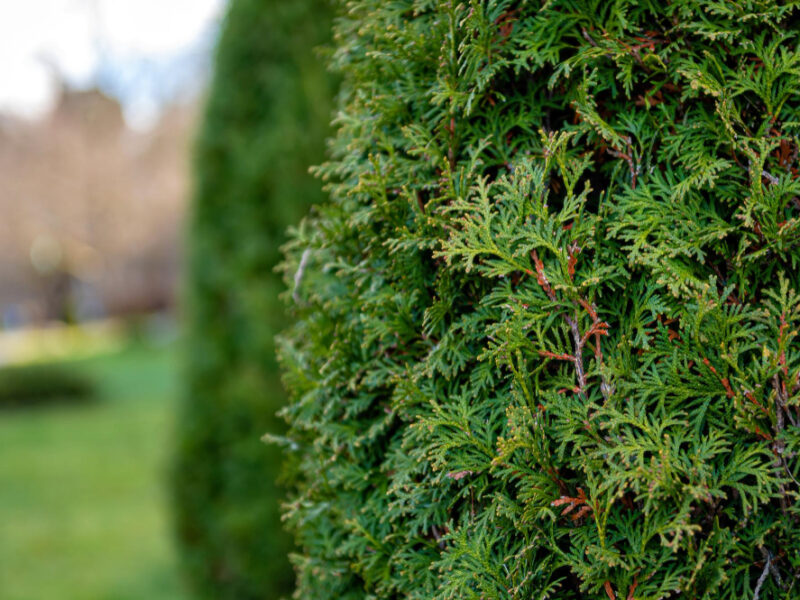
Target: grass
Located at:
point(82, 488)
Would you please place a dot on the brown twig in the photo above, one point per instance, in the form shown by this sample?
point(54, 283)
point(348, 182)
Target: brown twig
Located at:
point(609, 590)
point(632, 589)
point(580, 502)
point(579, 340)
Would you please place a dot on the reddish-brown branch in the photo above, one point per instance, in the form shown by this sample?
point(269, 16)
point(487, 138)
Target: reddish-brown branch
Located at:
point(579, 340)
point(609, 590)
point(541, 278)
point(548, 354)
point(723, 380)
point(632, 589)
point(760, 433)
point(749, 395)
point(580, 502)
point(505, 24)
point(572, 251)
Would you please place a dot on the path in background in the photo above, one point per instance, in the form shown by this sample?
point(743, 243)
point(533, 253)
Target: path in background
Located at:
point(83, 509)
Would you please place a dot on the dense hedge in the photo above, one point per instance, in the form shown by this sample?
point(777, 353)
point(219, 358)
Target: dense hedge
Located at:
point(265, 122)
point(33, 385)
point(547, 344)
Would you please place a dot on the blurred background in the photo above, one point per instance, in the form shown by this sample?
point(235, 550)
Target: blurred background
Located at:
point(152, 155)
point(100, 102)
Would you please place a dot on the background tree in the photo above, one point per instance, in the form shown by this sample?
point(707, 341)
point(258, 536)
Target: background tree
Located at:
point(266, 117)
point(548, 334)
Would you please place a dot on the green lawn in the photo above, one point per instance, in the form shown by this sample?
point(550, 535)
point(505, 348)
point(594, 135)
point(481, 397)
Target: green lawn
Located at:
point(83, 507)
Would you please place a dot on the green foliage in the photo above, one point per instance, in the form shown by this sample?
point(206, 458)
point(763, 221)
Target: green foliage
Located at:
point(28, 386)
point(547, 336)
point(265, 122)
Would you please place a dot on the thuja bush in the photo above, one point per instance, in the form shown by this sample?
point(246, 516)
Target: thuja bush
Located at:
point(266, 118)
point(42, 384)
point(547, 338)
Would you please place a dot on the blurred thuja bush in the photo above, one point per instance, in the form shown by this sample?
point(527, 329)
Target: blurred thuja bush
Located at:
point(33, 385)
point(547, 336)
point(266, 119)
